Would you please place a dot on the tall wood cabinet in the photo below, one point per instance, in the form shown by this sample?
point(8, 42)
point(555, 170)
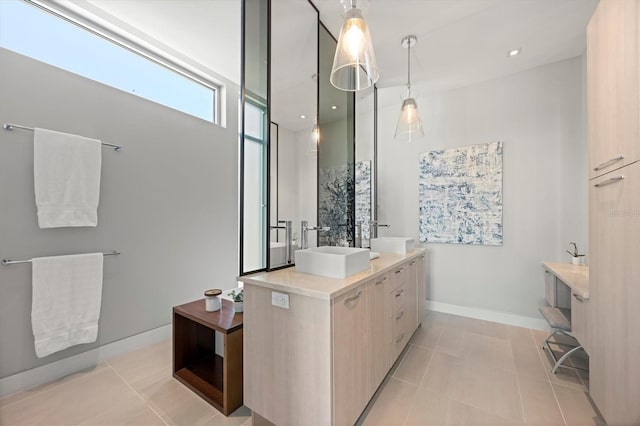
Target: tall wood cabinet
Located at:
point(613, 84)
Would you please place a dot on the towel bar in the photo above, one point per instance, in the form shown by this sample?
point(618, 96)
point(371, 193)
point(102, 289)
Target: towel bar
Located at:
point(6, 262)
point(10, 126)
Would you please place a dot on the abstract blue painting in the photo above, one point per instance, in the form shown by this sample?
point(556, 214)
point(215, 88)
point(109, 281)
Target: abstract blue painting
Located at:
point(460, 195)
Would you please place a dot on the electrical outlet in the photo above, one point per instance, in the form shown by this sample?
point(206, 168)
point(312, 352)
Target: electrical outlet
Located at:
point(280, 300)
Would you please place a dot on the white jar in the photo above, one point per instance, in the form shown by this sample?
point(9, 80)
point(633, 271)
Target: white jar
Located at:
point(212, 300)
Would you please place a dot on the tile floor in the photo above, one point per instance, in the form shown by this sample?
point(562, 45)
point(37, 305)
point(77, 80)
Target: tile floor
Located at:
point(456, 371)
point(463, 371)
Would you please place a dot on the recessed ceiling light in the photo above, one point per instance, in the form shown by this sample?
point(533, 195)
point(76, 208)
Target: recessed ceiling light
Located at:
point(514, 52)
point(334, 107)
point(303, 116)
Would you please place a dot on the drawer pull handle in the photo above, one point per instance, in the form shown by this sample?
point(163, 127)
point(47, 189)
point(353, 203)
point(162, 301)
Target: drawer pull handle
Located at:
point(413, 263)
point(421, 257)
point(609, 181)
point(608, 162)
point(578, 297)
point(399, 339)
point(381, 281)
point(399, 270)
point(400, 316)
point(398, 294)
point(353, 298)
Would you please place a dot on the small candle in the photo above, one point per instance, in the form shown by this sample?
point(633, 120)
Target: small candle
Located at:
point(212, 301)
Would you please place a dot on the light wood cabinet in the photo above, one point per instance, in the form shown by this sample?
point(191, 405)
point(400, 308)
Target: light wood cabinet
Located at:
point(351, 331)
point(614, 302)
point(379, 359)
point(613, 90)
point(580, 320)
point(322, 359)
point(421, 272)
point(412, 294)
point(613, 84)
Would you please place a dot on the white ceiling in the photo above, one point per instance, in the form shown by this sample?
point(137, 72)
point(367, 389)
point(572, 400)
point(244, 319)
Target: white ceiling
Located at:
point(460, 42)
point(206, 31)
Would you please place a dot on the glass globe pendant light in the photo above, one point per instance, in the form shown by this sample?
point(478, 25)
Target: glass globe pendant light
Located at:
point(354, 63)
point(409, 125)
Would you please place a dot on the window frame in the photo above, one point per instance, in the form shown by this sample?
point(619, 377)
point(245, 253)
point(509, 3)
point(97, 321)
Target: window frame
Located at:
point(120, 37)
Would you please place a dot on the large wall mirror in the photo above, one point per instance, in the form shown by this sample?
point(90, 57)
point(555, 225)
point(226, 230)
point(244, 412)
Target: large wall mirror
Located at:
point(254, 136)
point(336, 151)
point(365, 166)
point(298, 176)
point(293, 116)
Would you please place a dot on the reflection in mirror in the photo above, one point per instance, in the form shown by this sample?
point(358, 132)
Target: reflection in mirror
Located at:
point(365, 154)
point(336, 171)
point(293, 112)
point(253, 144)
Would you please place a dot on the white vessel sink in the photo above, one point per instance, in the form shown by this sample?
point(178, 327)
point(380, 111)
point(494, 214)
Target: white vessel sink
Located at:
point(333, 262)
point(400, 245)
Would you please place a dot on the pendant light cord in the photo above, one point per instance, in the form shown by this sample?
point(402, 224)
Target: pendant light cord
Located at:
point(409, 67)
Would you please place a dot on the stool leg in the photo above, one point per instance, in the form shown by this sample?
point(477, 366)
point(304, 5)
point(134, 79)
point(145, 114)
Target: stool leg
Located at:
point(563, 357)
point(546, 341)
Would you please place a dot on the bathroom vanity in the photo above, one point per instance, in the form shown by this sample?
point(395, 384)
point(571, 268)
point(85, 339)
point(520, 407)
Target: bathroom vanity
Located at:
point(316, 349)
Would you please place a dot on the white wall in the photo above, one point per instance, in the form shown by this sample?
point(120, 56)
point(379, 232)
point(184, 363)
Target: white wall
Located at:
point(168, 203)
point(539, 115)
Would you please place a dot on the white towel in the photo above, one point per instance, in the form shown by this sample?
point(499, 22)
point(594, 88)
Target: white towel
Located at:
point(67, 179)
point(65, 307)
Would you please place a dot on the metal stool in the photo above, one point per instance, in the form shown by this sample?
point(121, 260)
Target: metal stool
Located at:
point(560, 323)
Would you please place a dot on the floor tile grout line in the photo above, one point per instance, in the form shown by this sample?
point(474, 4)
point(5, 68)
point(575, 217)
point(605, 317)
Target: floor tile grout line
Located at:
point(524, 414)
point(404, 381)
point(415, 397)
point(431, 357)
point(555, 396)
point(413, 401)
point(137, 394)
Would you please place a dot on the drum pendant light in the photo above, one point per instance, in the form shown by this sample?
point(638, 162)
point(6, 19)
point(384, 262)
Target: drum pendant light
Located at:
point(409, 125)
point(354, 63)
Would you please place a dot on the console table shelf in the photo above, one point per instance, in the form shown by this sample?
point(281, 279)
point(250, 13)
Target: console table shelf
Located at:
point(216, 379)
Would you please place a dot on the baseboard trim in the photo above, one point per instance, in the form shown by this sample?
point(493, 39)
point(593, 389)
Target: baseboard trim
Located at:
point(489, 315)
point(61, 368)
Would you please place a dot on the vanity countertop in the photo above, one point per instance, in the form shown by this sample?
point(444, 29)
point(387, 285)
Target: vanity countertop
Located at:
point(288, 280)
point(575, 276)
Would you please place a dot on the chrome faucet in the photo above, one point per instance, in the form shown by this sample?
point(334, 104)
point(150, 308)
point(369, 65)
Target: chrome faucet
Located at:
point(358, 242)
point(374, 228)
point(304, 229)
point(288, 227)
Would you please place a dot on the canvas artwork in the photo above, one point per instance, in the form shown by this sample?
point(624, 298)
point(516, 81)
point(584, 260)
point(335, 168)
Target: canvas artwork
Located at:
point(460, 195)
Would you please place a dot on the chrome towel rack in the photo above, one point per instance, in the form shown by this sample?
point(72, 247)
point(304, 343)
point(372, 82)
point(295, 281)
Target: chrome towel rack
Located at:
point(11, 126)
point(6, 262)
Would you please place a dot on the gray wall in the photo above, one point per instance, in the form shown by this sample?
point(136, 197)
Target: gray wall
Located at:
point(539, 115)
point(168, 202)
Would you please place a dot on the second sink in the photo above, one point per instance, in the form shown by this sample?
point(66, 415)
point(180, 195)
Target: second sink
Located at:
point(333, 262)
point(400, 245)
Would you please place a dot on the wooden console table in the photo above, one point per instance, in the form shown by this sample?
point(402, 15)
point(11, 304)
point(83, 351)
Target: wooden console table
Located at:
point(218, 380)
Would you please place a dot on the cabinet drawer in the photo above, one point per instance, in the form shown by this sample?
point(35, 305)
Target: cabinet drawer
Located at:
point(399, 276)
point(399, 334)
point(398, 298)
point(579, 319)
